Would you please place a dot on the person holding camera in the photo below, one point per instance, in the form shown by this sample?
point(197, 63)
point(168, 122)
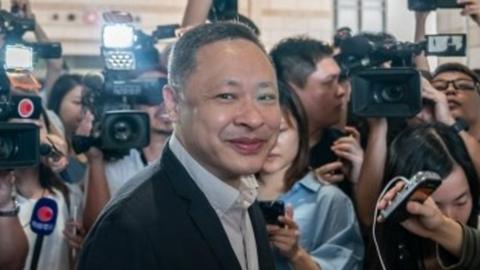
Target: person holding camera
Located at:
point(457, 244)
point(195, 208)
point(106, 177)
point(29, 186)
point(319, 229)
point(438, 149)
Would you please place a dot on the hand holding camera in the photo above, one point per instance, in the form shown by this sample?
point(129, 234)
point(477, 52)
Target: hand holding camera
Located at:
point(83, 132)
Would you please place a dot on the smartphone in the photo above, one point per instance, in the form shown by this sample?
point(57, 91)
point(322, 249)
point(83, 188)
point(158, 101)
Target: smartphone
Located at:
point(418, 189)
point(272, 210)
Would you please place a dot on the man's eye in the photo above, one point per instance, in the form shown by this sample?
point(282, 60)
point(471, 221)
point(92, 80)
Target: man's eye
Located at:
point(225, 96)
point(268, 97)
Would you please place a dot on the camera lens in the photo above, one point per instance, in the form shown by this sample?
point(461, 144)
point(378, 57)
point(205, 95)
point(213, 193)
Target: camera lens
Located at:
point(122, 131)
point(8, 148)
point(393, 93)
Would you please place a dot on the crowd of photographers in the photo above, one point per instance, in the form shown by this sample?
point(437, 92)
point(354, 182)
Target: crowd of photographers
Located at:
point(248, 159)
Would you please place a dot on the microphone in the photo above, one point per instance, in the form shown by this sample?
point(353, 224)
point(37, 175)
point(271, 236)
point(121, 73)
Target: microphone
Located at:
point(44, 216)
point(94, 81)
point(43, 221)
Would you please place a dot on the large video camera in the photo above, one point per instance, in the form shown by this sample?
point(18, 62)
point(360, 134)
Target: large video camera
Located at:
point(111, 96)
point(14, 28)
point(429, 5)
point(396, 91)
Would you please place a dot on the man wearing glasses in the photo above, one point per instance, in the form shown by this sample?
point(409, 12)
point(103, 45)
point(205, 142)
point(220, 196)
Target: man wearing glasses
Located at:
point(455, 96)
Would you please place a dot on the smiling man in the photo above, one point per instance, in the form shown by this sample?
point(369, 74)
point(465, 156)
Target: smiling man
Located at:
point(196, 209)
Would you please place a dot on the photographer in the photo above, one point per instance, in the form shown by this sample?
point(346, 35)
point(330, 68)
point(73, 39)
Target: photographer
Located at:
point(459, 243)
point(106, 177)
point(30, 186)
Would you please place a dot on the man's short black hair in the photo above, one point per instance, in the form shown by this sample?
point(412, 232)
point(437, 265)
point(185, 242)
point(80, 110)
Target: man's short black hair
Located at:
point(296, 58)
point(183, 56)
point(456, 67)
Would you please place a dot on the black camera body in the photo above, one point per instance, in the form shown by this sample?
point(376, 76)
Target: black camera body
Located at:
point(395, 92)
point(15, 28)
point(429, 5)
point(112, 95)
point(19, 142)
point(117, 127)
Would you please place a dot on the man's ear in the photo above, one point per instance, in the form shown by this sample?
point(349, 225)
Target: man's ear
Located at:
point(171, 99)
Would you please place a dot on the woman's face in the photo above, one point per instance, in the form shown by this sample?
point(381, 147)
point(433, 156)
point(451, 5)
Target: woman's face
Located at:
point(286, 147)
point(453, 196)
point(71, 109)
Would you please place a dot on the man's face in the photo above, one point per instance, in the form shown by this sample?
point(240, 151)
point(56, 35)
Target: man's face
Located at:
point(463, 102)
point(322, 97)
point(228, 115)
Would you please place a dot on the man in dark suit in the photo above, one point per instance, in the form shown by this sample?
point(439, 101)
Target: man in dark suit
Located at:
point(195, 208)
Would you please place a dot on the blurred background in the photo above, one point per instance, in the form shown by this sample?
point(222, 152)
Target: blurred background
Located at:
point(77, 23)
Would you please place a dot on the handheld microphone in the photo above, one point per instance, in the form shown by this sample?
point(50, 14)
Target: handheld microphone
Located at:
point(44, 217)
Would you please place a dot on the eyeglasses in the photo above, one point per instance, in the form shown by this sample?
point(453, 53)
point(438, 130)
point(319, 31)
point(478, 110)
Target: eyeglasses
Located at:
point(460, 84)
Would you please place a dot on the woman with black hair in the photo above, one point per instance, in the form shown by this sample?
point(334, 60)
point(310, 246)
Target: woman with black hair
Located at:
point(320, 228)
point(65, 100)
point(436, 148)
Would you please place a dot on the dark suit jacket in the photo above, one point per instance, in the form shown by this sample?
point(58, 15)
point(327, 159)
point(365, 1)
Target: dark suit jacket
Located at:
point(161, 220)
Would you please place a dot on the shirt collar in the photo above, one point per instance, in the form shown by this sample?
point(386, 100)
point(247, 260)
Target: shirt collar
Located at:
point(310, 182)
point(220, 195)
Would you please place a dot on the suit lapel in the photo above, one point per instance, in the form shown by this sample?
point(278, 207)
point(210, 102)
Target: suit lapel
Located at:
point(200, 210)
point(265, 255)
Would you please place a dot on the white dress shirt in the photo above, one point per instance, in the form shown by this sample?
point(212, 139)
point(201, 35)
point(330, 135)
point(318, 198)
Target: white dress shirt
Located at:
point(230, 204)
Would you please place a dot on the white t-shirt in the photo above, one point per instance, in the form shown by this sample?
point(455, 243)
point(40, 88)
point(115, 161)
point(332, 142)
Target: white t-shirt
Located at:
point(118, 172)
point(54, 252)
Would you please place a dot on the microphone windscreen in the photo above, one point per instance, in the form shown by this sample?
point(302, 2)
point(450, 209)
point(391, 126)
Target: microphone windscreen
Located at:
point(357, 46)
point(93, 81)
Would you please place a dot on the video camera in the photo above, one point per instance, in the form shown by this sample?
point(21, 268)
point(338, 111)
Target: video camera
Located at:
point(429, 5)
point(19, 142)
point(111, 96)
point(14, 28)
point(396, 91)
